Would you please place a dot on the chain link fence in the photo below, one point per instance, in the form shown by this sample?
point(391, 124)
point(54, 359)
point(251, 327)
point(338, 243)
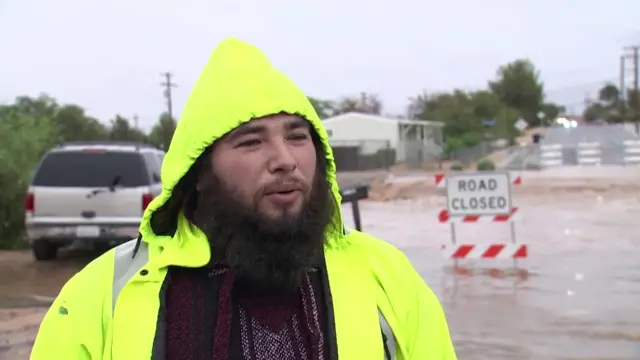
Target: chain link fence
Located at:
point(364, 155)
point(473, 153)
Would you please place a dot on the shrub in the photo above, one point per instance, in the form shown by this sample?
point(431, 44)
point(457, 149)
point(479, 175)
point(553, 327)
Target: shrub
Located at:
point(456, 167)
point(485, 165)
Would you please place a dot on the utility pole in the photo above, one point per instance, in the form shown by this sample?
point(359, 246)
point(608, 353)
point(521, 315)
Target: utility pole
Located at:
point(167, 91)
point(621, 85)
point(622, 96)
point(636, 95)
point(168, 84)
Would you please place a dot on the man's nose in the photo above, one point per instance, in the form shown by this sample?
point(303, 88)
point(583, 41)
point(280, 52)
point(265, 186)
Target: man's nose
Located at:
point(281, 158)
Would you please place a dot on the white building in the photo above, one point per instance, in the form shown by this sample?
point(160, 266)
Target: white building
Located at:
point(410, 139)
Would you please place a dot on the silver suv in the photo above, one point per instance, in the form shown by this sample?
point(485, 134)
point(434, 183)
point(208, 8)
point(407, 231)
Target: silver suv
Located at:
point(91, 193)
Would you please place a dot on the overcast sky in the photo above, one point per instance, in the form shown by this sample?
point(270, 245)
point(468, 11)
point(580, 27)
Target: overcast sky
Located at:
point(107, 55)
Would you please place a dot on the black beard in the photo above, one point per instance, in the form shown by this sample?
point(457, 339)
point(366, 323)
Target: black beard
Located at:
point(267, 255)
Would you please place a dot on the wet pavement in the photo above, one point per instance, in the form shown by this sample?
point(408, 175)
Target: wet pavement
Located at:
point(26, 282)
point(581, 299)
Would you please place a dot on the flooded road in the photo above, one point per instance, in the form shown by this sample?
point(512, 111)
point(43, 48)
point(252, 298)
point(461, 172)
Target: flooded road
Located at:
point(581, 300)
point(25, 281)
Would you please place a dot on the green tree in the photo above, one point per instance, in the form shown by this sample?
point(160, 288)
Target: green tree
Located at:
point(324, 108)
point(74, 125)
point(633, 102)
point(609, 95)
point(516, 92)
point(70, 120)
point(162, 131)
point(25, 134)
point(364, 103)
point(121, 130)
point(594, 111)
point(550, 111)
point(41, 107)
point(462, 125)
point(610, 106)
point(518, 86)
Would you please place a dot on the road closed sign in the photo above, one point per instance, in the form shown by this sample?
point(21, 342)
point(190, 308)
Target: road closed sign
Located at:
point(478, 194)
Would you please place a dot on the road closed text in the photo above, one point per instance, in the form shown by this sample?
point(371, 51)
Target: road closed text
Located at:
point(479, 203)
point(479, 195)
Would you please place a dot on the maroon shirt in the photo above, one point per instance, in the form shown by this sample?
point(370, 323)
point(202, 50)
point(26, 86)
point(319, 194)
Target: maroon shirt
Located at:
point(207, 318)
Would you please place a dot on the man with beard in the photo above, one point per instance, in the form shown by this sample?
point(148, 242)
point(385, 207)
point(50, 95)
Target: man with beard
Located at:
point(244, 255)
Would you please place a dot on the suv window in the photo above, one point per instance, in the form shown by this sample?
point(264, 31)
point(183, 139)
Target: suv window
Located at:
point(153, 164)
point(91, 169)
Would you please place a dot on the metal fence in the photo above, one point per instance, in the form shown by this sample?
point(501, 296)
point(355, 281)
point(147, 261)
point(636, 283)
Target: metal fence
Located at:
point(626, 152)
point(363, 155)
point(606, 144)
point(534, 157)
point(602, 133)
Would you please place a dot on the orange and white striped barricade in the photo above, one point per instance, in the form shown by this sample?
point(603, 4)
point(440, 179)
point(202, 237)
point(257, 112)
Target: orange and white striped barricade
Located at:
point(480, 197)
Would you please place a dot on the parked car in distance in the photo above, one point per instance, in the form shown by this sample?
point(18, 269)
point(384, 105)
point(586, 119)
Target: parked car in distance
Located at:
point(93, 192)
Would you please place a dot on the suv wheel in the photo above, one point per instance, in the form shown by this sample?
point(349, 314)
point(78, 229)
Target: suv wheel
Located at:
point(44, 250)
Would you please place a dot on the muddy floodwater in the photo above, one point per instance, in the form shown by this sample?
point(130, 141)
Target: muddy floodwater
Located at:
point(580, 300)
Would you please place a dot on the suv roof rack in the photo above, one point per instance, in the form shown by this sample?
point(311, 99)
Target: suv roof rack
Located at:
point(107, 143)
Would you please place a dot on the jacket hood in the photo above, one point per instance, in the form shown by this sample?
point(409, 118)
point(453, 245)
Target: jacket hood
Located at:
point(238, 84)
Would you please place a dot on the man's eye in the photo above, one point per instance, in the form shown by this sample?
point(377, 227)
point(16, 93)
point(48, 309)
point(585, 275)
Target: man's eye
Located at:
point(249, 143)
point(299, 137)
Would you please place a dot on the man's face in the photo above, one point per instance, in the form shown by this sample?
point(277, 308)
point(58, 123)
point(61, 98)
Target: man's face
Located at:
point(264, 202)
point(270, 162)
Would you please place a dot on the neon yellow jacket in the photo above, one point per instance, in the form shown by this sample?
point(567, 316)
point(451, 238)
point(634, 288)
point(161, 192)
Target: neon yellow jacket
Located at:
point(113, 308)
